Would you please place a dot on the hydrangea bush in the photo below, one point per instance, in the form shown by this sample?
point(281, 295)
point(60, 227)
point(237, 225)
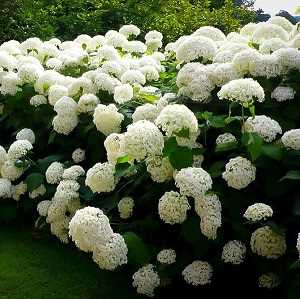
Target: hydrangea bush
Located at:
point(179, 164)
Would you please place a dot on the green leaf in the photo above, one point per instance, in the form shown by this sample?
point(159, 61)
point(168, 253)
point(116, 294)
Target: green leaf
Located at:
point(52, 137)
point(123, 159)
point(181, 157)
point(277, 229)
point(33, 181)
point(216, 169)
point(291, 175)
point(253, 143)
point(272, 151)
point(295, 265)
point(227, 146)
point(139, 253)
point(8, 211)
point(169, 146)
point(123, 169)
point(184, 132)
point(217, 121)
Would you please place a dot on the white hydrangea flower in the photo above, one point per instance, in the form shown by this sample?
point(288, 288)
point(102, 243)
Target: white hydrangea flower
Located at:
point(198, 273)
point(267, 243)
point(172, 207)
point(29, 72)
point(145, 112)
point(65, 124)
point(54, 173)
point(159, 168)
point(154, 44)
point(19, 149)
point(245, 60)
point(224, 73)
point(112, 254)
point(143, 139)
point(267, 31)
point(56, 92)
point(196, 47)
point(3, 156)
point(46, 80)
point(271, 45)
point(88, 228)
point(123, 93)
point(100, 178)
point(234, 252)
point(209, 208)
point(18, 190)
point(81, 86)
point(125, 207)
point(39, 191)
point(9, 84)
point(174, 118)
point(132, 77)
point(26, 134)
point(150, 72)
point(107, 119)
point(266, 127)
point(211, 32)
point(239, 173)
point(242, 91)
point(78, 155)
point(38, 100)
point(115, 39)
point(135, 46)
point(269, 280)
point(298, 244)
point(5, 188)
point(258, 212)
point(146, 280)
point(289, 58)
point(128, 30)
point(248, 29)
point(73, 173)
point(10, 171)
point(43, 207)
point(225, 138)
point(114, 145)
point(193, 181)
point(282, 22)
point(87, 103)
point(166, 256)
point(283, 93)
point(291, 139)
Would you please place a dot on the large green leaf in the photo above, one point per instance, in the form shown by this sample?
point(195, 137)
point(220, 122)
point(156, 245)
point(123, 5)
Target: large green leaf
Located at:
point(139, 252)
point(33, 181)
point(291, 175)
point(253, 143)
point(181, 157)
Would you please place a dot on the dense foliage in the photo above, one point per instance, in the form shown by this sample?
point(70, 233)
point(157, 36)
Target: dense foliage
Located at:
point(65, 18)
point(180, 164)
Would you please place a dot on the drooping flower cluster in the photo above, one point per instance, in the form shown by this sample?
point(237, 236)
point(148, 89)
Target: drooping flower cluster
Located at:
point(91, 232)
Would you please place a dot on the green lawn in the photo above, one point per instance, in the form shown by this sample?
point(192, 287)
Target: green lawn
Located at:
point(39, 266)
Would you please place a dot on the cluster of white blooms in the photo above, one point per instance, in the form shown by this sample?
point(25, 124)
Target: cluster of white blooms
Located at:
point(239, 173)
point(143, 139)
point(78, 155)
point(101, 177)
point(5, 188)
point(39, 191)
point(268, 243)
point(43, 207)
point(66, 119)
point(167, 256)
point(234, 252)
point(242, 91)
point(54, 173)
point(173, 207)
point(209, 208)
point(283, 93)
point(159, 168)
point(146, 280)
point(26, 134)
point(198, 273)
point(266, 127)
point(174, 118)
point(193, 182)
point(107, 119)
point(125, 207)
point(291, 139)
point(258, 212)
point(91, 232)
point(269, 280)
point(114, 145)
point(225, 138)
point(298, 244)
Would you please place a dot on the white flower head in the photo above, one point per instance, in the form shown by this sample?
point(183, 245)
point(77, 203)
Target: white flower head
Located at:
point(198, 273)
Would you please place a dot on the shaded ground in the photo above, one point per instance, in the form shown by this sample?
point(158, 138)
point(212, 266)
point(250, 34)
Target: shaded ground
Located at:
point(38, 267)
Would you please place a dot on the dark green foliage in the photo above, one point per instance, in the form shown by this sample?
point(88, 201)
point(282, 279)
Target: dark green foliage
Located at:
point(66, 19)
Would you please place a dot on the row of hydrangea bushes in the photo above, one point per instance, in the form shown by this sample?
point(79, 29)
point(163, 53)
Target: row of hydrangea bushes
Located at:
point(178, 164)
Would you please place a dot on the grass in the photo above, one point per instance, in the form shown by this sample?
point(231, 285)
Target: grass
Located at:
point(39, 266)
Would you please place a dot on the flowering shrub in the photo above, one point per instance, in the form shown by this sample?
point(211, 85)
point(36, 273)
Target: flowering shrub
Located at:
point(182, 162)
